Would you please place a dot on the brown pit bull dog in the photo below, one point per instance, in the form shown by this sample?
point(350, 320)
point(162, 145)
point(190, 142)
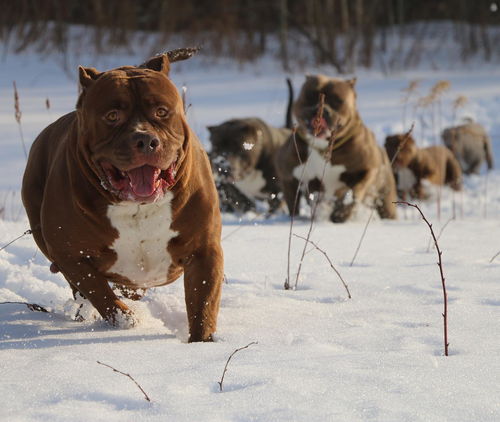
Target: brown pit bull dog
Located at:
point(471, 145)
point(358, 171)
point(121, 191)
point(411, 165)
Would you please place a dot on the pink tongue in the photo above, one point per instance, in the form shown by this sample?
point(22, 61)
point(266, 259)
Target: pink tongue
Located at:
point(142, 180)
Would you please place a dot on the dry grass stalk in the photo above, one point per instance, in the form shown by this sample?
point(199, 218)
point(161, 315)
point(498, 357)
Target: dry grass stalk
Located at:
point(31, 306)
point(227, 363)
point(18, 114)
point(441, 273)
point(16, 239)
point(317, 122)
point(408, 92)
point(328, 157)
point(440, 232)
point(346, 287)
point(129, 376)
point(400, 146)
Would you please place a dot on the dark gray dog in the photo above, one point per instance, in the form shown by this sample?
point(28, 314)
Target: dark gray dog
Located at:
point(242, 157)
point(471, 145)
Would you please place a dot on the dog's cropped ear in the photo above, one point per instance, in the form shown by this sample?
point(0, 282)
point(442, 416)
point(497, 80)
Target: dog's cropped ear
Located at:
point(87, 76)
point(161, 62)
point(352, 81)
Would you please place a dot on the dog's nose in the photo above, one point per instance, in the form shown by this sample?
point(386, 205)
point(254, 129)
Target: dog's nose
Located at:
point(145, 143)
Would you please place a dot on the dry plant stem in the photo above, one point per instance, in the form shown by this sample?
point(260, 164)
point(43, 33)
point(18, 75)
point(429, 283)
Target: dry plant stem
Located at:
point(18, 114)
point(16, 239)
point(440, 265)
point(400, 146)
point(314, 208)
point(129, 376)
point(486, 195)
point(440, 232)
point(317, 121)
point(494, 256)
point(31, 306)
point(329, 261)
point(227, 362)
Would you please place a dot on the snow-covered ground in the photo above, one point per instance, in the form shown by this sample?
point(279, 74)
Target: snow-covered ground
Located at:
point(319, 356)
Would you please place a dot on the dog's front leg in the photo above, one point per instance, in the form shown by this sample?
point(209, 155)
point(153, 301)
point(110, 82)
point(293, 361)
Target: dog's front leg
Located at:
point(94, 287)
point(203, 276)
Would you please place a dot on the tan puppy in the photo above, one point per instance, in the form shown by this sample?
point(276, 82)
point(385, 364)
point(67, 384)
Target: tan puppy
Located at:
point(358, 170)
point(121, 191)
point(411, 165)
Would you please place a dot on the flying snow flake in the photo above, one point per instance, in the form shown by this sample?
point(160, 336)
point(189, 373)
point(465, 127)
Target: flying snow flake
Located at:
point(248, 146)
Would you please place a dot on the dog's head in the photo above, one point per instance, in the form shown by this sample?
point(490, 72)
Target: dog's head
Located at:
point(401, 149)
point(339, 105)
point(132, 127)
point(239, 143)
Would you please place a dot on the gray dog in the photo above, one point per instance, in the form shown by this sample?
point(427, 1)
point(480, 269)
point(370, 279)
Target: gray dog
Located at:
point(471, 145)
point(242, 156)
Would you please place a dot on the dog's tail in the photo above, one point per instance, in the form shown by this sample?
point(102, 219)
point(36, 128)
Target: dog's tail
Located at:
point(487, 150)
point(288, 118)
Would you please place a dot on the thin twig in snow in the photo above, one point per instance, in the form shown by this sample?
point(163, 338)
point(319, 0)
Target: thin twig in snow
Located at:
point(227, 363)
point(129, 376)
point(440, 265)
point(329, 261)
point(316, 124)
point(31, 306)
point(16, 239)
point(440, 232)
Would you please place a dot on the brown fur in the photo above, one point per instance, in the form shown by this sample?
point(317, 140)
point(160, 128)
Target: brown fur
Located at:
point(435, 164)
point(367, 171)
point(471, 146)
point(66, 197)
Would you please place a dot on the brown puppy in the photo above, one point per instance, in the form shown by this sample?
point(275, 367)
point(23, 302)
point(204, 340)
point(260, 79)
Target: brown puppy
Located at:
point(358, 171)
point(471, 145)
point(121, 191)
point(411, 165)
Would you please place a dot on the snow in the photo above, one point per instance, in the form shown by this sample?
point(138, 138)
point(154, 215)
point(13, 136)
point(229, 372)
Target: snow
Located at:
point(319, 356)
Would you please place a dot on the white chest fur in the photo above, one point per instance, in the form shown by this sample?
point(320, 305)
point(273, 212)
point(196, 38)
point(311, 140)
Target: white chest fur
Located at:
point(313, 169)
point(252, 184)
point(143, 234)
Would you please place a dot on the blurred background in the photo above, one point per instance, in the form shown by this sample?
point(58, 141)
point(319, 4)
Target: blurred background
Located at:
point(345, 34)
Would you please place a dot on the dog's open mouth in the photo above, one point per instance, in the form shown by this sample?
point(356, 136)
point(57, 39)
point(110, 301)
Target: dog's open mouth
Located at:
point(144, 183)
point(319, 127)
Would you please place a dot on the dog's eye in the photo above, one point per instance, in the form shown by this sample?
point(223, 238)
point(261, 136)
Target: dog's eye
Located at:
point(161, 112)
point(112, 116)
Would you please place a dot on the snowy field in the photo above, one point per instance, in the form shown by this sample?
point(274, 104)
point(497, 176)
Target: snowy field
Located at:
point(319, 355)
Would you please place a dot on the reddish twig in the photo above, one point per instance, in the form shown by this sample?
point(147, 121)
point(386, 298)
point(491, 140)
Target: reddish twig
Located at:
point(317, 128)
point(227, 363)
point(494, 256)
point(440, 265)
point(329, 261)
point(129, 376)
point(314, 207)
point(440, 233)
point(400, 146)
point(16, 239)
point(31, 306)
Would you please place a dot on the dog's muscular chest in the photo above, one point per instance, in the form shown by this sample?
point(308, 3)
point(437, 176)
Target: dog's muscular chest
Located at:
point(143, 235)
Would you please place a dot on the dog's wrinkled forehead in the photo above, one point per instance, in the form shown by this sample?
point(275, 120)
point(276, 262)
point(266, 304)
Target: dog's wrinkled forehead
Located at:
point(336, 90)
point(119, 88)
